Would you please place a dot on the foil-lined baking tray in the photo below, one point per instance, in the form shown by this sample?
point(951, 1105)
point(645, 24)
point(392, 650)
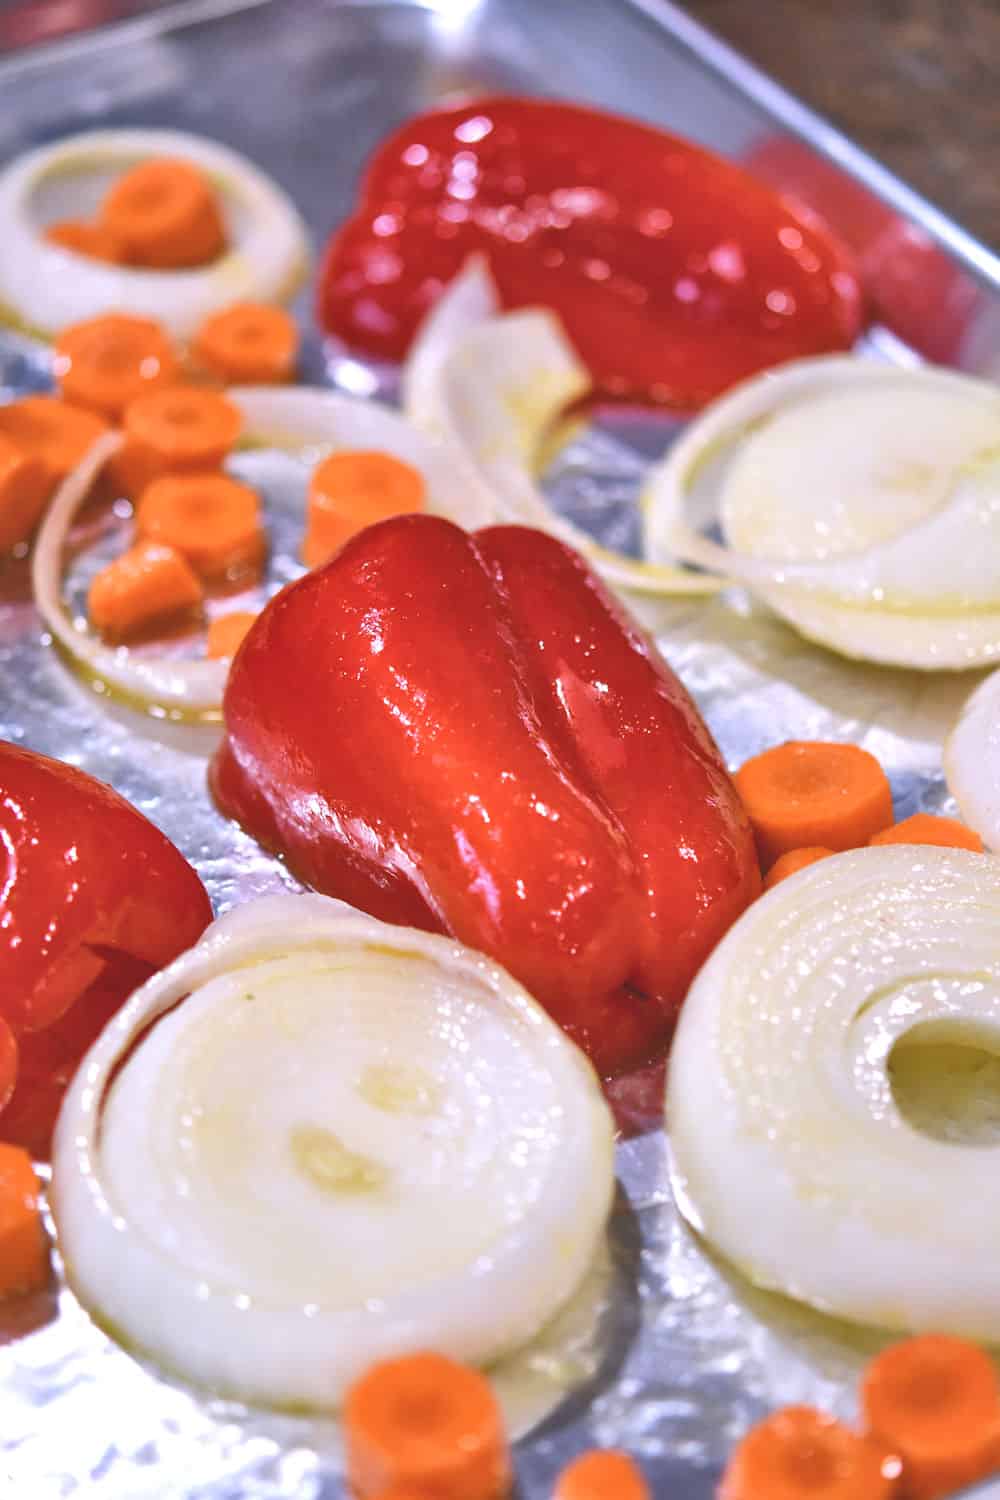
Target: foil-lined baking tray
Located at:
point(669, 1353)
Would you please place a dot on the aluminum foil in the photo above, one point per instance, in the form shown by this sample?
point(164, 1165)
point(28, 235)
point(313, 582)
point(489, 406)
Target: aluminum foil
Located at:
point(668, 1353)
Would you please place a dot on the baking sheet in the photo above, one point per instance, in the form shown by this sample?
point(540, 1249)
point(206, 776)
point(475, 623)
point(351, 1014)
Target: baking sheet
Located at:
point(687, 1356)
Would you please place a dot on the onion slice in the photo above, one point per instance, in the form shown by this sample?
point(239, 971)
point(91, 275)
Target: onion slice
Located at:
point(790, 1153)
point(487, 386)
point(972, 761)
point(46, 287)
point(349, 1141)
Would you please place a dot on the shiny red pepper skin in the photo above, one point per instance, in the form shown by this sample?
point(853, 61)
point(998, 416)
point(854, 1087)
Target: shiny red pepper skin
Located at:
point(93, 900)
point(466, 734)
point(675, 273)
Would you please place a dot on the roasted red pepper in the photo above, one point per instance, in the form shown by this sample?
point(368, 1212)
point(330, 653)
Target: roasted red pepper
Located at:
point(93, 900)
point(675, 273)
point(467, 734)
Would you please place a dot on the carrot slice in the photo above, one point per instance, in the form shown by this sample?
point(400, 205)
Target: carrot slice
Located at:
point(107, 362)
point(147, 584)
point(602, 1475)
point(24, 489)
point(8, 1063)
point(792, 862)
point(935, 1400)
point(426, 1423)
point(174, 431)
point(52, 430)
point(249, 343)
point(24, 1255)
point(810, 794)
point(803, 1454)
point(353, 489)
point(922, 828)
point(226, 633)
point(95, 241)
point(212, 519)
point(166, 215)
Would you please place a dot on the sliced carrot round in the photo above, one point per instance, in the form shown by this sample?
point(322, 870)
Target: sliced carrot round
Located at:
point(212, 519)
point(24, 489)
point(249, 343)
point(935, 1400)
point(227, 633)
point(604, 1474)
point(812, 794)
point(53, 430)
point(107, 362)
point(923, 828)
point(148, 585)
point(81, 236)
point(24, 1256)
point(352, 489)
point(426, 1423)
point(166, 215)
point(792, 862)
point(8, 1064)
point(803, 1454)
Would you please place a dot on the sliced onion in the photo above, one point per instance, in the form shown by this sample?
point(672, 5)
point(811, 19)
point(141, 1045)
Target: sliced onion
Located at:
point(972, 761)
point(46, 287)
point(191, 687)
point(487, 386)
point(349, 1141)
point(790, 1153)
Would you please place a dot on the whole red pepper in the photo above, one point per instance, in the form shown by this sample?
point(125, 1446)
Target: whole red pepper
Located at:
point(468, 735)
point(93, 900)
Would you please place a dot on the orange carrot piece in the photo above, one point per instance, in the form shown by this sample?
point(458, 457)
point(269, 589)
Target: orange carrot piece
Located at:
point(249, 343)
point(166, 215)
point(8, 1063)
point(54, 431)
point(212, 519)
point(922, 828)
point(353, 489)
point(935, 1401)
point(227, 633)
point(147, 584)
point(792, 862)
point(604, 1474)
point(24, 1254)
point(174, 431)
point(426, 1423)
point(95, 241)
point(811, 794)
point(107, 362)
point(24, 489)
point(799, 1453)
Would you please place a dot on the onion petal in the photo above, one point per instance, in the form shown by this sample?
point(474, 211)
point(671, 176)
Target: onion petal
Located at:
point(972, 761)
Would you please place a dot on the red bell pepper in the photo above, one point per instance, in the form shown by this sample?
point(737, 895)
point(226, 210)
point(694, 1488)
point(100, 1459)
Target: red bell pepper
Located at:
point(94, 899)
point(467, 734)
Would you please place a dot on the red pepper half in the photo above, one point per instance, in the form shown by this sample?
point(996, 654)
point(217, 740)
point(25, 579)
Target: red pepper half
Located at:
point(467, 734)
point(93, 900)
point(675, 273)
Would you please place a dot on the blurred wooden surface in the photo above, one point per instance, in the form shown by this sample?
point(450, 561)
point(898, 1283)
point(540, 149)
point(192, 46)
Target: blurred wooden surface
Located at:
point(916, 82)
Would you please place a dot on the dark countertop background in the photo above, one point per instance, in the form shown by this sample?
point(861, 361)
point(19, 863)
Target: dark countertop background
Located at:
point(915, 82)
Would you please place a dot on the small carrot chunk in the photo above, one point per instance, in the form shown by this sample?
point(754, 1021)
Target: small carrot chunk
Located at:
point(813, 794)
point(52, 430)
point(792, 862)
point(174, 431)
point(95, 241)
point(148, 584)
point(602, 1475)
point(802, 1454)
point(24, 1254)
point(24, 489)
point(8, 1063)
point(166, 215)
point(107, 362)
point(923, 828)
point(427, 1423)
point(249, 343)
point(212, 519)
point(353, 489)
point(935, 1401)
point(227, 633)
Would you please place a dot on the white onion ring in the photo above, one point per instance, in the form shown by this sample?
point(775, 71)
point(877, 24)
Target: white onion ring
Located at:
point(972, 761)
point(349, 1141)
